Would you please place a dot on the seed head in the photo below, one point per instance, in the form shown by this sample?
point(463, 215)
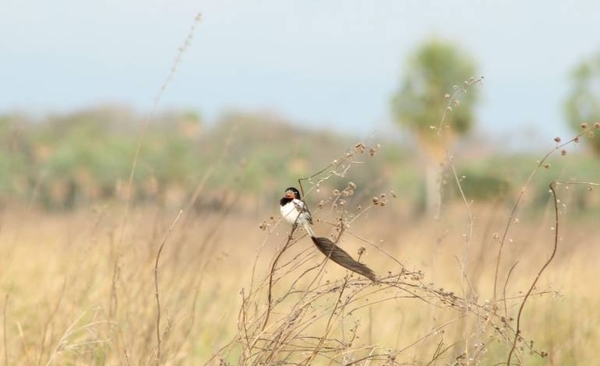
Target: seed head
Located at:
point(557, 139)
point(584, 125)
point(360, 147)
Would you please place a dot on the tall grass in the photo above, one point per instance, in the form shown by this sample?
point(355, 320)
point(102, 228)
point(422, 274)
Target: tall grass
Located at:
point(73, 294)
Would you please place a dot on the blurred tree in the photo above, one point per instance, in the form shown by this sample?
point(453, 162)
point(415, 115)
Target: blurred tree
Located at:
point(83, 157)
point(583, 102)
point(86, 155)
point(423, 99)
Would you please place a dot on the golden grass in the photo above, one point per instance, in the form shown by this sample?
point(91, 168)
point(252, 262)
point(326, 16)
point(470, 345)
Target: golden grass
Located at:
point(79, 289)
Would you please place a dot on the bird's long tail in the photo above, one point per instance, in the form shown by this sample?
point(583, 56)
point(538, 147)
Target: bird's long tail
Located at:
point(339, 256)
point(309, 230)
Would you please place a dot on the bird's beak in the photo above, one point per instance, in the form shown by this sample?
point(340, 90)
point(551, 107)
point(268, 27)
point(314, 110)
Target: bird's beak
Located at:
point(289, 194)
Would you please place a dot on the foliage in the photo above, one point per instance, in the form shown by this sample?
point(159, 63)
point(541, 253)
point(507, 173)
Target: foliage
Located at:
point(78, 158)
point(431, 74)
point(583, 102)
point(83, 158)
point(86, 155)
point(482, 186)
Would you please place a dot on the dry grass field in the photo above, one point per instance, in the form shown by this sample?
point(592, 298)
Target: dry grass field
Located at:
point(98, 271)
point(90, 288)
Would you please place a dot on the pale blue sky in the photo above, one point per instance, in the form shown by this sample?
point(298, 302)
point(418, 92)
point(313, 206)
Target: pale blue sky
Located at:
point(315, 62)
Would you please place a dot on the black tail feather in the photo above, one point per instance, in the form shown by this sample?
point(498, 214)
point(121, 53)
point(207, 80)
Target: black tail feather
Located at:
point(339, 256)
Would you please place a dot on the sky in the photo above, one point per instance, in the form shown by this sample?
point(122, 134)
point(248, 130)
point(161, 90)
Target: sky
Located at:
point(333, 63)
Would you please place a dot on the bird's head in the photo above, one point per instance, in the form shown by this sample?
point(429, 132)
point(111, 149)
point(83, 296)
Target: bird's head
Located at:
point(292, 193)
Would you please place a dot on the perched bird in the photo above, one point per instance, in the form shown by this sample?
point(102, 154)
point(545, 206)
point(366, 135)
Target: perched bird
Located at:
point(295, 212)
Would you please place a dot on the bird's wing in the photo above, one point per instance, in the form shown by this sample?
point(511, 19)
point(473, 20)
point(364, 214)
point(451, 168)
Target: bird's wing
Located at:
point(303, 209)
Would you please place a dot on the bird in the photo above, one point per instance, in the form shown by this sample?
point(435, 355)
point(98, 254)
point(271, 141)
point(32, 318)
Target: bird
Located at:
point(295, 212)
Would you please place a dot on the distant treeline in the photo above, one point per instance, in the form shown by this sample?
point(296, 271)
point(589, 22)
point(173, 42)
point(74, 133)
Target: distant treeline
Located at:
point(84, 158)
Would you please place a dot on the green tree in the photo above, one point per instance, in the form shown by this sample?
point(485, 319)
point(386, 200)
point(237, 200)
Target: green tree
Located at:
point(436, 70)
point(583, 102)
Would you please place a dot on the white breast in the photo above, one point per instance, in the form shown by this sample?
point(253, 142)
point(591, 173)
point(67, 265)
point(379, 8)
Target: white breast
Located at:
point(290, 212)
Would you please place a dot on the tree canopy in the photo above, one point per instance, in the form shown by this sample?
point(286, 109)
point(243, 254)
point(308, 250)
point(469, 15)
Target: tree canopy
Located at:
point(434, 71)
point(582, 105)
